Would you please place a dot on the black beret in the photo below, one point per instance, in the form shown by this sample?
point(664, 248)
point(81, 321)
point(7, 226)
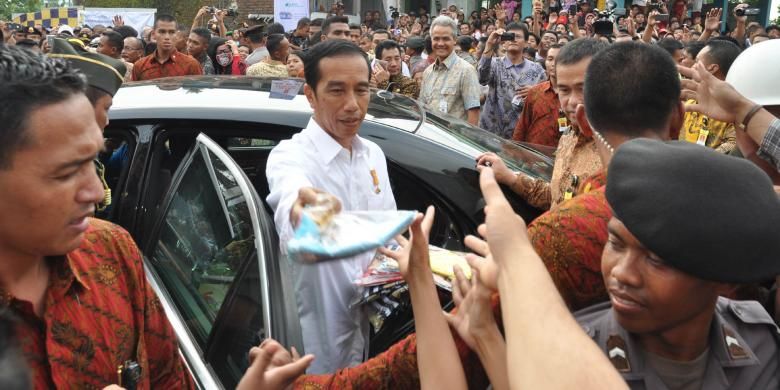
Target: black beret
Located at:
point(103, 72)
point(713, 216)
point(415, 43)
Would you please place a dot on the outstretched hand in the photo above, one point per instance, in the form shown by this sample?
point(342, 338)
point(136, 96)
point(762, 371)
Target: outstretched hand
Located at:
point(272, 367)
point(413, 257)
point(715, 98)
point(474, 317)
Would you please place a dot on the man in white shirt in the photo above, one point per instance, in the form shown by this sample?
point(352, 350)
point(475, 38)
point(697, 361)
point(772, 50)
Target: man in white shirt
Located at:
point(328, 156)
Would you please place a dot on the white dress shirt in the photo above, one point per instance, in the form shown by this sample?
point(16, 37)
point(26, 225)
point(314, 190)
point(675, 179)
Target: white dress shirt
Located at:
point(334, 332)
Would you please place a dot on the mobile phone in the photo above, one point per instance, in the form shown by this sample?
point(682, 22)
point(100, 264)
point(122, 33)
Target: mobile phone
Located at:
point(507, 36)
point(382, 63)
point(50, 40)
point(662, 18)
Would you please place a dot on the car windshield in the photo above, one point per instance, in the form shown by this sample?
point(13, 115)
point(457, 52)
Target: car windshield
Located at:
point(406, 114)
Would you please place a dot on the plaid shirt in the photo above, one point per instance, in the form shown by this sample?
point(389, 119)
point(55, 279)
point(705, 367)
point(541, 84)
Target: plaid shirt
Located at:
point(99, 312)
point(769, 149)
point(538, 123)
point(450, 86)
point(178, 64)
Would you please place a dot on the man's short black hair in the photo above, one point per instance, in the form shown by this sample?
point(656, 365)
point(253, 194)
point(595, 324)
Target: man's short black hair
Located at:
point(115, 40)
point(126, 31)
point(630, 87)
point(671, 45)
point(303, 22)
point(255, 34)
point(163, 18)
point(723, 53)
point(551, 32)
point(326, 49)
point(465, 42)
point(380, 31)
point(772, 27)
point(274, 28)
point(579, 49)
point(333, 19)
point(514, 26)
point(387, 44)
point(317, 22)
point(273, 42)
point(354, 26)
point(28, 81)
point(203, 33)
point(694, 47)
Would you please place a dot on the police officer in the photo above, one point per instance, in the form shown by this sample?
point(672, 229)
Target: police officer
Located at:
point(682, 237)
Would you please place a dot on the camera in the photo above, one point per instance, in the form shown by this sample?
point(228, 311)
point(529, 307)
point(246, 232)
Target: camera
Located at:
point(228, 12)
point(393, 12)
point(747, 11)
point(606, 19)
point(507, 36)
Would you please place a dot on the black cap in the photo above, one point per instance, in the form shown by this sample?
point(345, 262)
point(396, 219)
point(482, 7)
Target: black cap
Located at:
point(713, 216)
point(103, 72)
point(415, 43)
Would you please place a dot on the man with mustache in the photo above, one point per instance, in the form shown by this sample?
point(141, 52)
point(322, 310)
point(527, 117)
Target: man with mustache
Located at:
point(329, 157)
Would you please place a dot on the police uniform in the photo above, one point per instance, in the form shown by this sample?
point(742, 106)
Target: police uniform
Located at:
point(717, 224)
point(742, 347)
point(103, 73)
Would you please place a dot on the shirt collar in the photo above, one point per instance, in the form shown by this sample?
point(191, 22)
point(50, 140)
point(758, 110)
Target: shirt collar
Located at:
point(63, 273)
point(327, 147)
point(508, 63)
point(628, 357)
point(448, 62)
point(172, 58)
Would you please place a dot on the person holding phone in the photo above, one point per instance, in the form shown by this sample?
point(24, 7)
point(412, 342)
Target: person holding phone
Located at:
point(386, 71)
point(509, 78)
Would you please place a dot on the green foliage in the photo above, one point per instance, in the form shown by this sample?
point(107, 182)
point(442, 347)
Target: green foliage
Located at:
point(8, 7)
point(777, 20)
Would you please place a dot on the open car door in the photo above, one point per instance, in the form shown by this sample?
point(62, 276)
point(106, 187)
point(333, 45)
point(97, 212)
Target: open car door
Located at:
point(212, 257)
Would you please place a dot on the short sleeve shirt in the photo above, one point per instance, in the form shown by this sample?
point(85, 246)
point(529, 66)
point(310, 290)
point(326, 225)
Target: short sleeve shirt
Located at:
point(178, 64)
point(450, 86)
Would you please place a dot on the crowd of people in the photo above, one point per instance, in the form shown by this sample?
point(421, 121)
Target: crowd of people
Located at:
point(653, 265)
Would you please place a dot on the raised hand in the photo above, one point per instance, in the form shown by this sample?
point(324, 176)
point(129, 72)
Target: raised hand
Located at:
point(713, 19)
point(413, 257)
point(272, 367)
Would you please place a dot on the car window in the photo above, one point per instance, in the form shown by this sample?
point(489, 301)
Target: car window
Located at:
point(206, 234)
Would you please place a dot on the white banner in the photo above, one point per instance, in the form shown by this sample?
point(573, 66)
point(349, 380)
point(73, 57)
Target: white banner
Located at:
point(289, 12)
point(138, 18)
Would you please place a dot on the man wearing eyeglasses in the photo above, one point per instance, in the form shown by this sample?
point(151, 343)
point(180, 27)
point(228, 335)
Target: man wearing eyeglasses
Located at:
point(133, 50)
point(509, 78)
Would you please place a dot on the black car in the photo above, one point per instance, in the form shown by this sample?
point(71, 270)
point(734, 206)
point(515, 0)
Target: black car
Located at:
point(186, 162)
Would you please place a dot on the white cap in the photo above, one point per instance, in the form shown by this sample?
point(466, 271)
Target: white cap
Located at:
point(754, 74)
point(65, 28)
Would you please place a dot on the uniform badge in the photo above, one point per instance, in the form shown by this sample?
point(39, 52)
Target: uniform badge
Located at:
point(616, 351)
point(735, 350)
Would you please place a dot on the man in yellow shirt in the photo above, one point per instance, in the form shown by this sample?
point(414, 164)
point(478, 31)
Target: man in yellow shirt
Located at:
point(717, 58)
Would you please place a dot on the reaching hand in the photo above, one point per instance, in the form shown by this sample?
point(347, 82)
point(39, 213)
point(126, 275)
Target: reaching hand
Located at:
point(413, 257)
point(503, 174)
point(715, 98)
point(651, 18)
point(500, 12)
point(506, 231)
point(474, 317)
point(481, 260)
point(713, 19)
point(272, 367)
point(310, 196)
point(118, 21)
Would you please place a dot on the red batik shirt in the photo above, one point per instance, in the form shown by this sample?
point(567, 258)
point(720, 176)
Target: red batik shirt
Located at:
point(178, 64)
point(569, 238)
point(538, 123)
point(99, 311)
